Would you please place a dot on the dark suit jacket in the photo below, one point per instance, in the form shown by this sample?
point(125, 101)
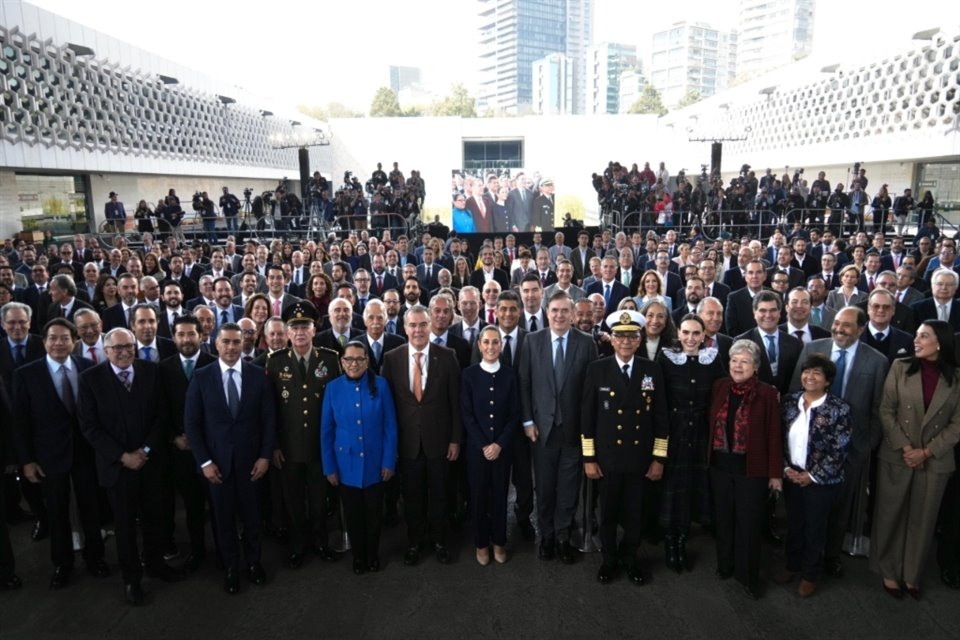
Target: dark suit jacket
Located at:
point(326, 339)
point(516, 348)
point(114, 317)
point(389, 282)
point(38, 303)
point(390, 342)
point(433, 423)
point(428, 282)
point(580, 268)
point(897, 344)
point(539, 393)
point(816, 333)
point(165, 346)
point(788, 353)
point(45, 432)
point(477, 279)
point(733, 278)
point(108, 426)
point(617, 293)
point(903, 318)
point(34, 351)
point(187, 285)
point(738, 313)
point(173, 392)
point(459, 347)
point(232, 444)
point(927, 310)
point(796, 277)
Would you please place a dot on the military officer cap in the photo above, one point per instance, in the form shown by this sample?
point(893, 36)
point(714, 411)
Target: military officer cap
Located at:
point(625, 320)
point(301, 312)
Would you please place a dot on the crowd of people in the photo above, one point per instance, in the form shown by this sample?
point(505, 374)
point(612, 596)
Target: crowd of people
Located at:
point(751, 203)
point(503, 203)
point(693, 382)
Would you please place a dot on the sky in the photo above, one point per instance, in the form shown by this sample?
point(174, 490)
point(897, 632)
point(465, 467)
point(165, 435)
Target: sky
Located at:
point(313, 53)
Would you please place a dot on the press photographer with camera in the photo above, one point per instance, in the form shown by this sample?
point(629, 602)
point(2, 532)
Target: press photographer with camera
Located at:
point(230, 207)
point(203, 205)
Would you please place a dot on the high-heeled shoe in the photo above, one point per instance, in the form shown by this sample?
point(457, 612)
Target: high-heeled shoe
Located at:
point(483, 556)
point(913, 592)
point(895, 592)
point(499, 554)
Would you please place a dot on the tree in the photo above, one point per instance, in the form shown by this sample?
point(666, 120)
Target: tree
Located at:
point(649, 102)
point(385, 104)
point(458, 103)
point(692, 96)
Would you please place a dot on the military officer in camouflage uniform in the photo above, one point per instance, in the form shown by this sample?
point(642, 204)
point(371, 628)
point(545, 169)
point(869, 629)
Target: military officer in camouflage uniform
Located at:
point(624, 427)
point(299, 374)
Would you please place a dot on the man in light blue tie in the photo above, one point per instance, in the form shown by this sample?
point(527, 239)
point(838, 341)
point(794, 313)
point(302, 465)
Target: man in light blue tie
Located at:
point(150, 346)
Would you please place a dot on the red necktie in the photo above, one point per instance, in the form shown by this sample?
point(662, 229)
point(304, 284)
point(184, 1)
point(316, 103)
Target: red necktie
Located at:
point(380, 283)
point(489, 316)
point(276, 307)
point(93, 355)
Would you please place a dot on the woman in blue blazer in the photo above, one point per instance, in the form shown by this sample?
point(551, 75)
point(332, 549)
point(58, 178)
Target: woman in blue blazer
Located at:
point(816, 434)
point(490, 401)
point(358, 445)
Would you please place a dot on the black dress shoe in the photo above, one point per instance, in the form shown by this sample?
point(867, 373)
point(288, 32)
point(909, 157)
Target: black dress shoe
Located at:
point(568, 553)
point(164, 572)
point(359, 567)
point(10, 583)
point(374, 565)
point(193, 562)
point(295, 560)
point(133, 593)
point(606, 573)
point(411, 556)
point(833, 567)
point(547, 550)
point(326, 553)
point(231, 583)
point(635, 576)
point(256, 574)
point(443, 554)
point(527, 531)
point(60, 577)
point(40, 531)
point(98, 568)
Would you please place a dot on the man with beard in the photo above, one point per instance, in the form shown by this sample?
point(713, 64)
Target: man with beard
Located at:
point(693, 294)
point(170, 309)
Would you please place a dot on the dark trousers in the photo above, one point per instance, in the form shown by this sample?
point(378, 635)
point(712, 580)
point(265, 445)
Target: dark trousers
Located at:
point(305, 498)
point(739, 506)
point(621, 503)
point(522, 476)
point(137, 493)
point(270, 495)
point(392, 494)
point(7, 564)
point(808, 514)
point(194, 491)
point(56, 493)
point(13, 487)
point(841, 513)
point(557, 472)
point(424, 483)
point(362, 509)
point(489, 485)
point(237, 495)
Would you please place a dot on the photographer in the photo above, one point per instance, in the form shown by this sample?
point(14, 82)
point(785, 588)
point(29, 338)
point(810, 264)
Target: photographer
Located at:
point(203, 205)
point(280, 211)
point(230, 206)
point(837, 203)
point(142, 216)
point(172, 214)
point(379, 177)
point(902, 207)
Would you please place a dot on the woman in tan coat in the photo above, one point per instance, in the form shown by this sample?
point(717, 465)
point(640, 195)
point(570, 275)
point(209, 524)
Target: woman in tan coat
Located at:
point(920, 414)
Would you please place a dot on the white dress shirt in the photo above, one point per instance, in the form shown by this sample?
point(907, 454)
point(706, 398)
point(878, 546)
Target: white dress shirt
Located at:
point(799, 434)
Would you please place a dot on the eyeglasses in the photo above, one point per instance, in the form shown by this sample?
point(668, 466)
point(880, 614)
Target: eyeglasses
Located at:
point(354, 360)
point(121, 347)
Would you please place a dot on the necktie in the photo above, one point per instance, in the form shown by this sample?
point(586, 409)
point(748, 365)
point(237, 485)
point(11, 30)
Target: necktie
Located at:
point(392, 327)
point(870, 284)
point(63, 312)
point(507, 355)
point(438, 341)
point(606, 294)
point(125, 379)
point(533, 323)
point(626, 278)
point(490, 319)
point(377, 350)
point(146, 352)
point(710, 343)
point(66, 391)
point(223, 318)
point(188, 368)
point(799, 335)
point(233, 396)
point(129, 317)
point(380, 283)
point(558, 380)
point(92, 354)
point(879, 336)
point(837, 387)
point(417, 377)
point(276, 307)
point(817, 317)
point(543, 280)
point(18, 357)
point(342, 340)
point(626, 373)
point(302, 365)
point(943, 313)
point(771, 348)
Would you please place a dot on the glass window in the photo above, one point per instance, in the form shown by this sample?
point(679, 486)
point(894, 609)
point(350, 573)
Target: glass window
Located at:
point(54, 203)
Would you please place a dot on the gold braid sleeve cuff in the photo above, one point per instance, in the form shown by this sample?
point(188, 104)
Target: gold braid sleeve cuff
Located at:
point(660, 447)
point(589, 450)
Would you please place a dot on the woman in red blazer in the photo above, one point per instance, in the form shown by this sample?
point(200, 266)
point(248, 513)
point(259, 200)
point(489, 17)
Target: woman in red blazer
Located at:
point(746, 461)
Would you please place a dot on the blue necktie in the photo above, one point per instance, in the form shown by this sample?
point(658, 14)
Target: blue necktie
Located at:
point(392, 327)
point(837, 387)
point(771, 348)
point(146, 351)
point(188, 368)
point(606, 295)
point(233, 396)
point(376, 351)
point(438, 342)
point(18, 354)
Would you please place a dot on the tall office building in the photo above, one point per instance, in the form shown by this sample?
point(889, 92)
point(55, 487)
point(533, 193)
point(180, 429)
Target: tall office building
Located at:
point(403, 77)
point(513, 34)
point(773, 33)
point(605, 64)
point(631, 87)
point(553, 85)
point(692, 57)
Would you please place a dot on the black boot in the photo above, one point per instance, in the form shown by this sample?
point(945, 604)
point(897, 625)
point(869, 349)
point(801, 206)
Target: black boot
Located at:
point(683, 562)
point(670, 547)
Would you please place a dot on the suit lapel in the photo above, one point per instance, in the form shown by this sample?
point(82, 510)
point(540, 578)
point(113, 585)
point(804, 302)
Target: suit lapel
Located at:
point(940, 396)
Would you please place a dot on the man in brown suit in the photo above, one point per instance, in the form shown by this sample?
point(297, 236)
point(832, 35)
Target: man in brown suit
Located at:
point(425, 381)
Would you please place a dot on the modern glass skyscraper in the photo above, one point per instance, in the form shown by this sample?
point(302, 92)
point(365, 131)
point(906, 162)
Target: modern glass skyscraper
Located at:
point(772, 33)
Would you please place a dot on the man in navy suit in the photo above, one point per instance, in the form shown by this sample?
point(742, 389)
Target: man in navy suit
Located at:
point(428, 271)
point(377, 341)
point(612, 290)
point(225, 311)
point(942, 306)
point(114, 212)
point(230, 422)
point(880, 333)
point(53, 452)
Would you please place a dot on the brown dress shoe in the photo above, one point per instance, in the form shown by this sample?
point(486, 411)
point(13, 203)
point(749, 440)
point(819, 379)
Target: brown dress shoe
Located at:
point(806, 588)
point(784, 576)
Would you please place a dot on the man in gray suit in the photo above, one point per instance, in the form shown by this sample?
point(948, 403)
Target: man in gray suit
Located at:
point(552, 367)
point(565, 283)
point(861, 371)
